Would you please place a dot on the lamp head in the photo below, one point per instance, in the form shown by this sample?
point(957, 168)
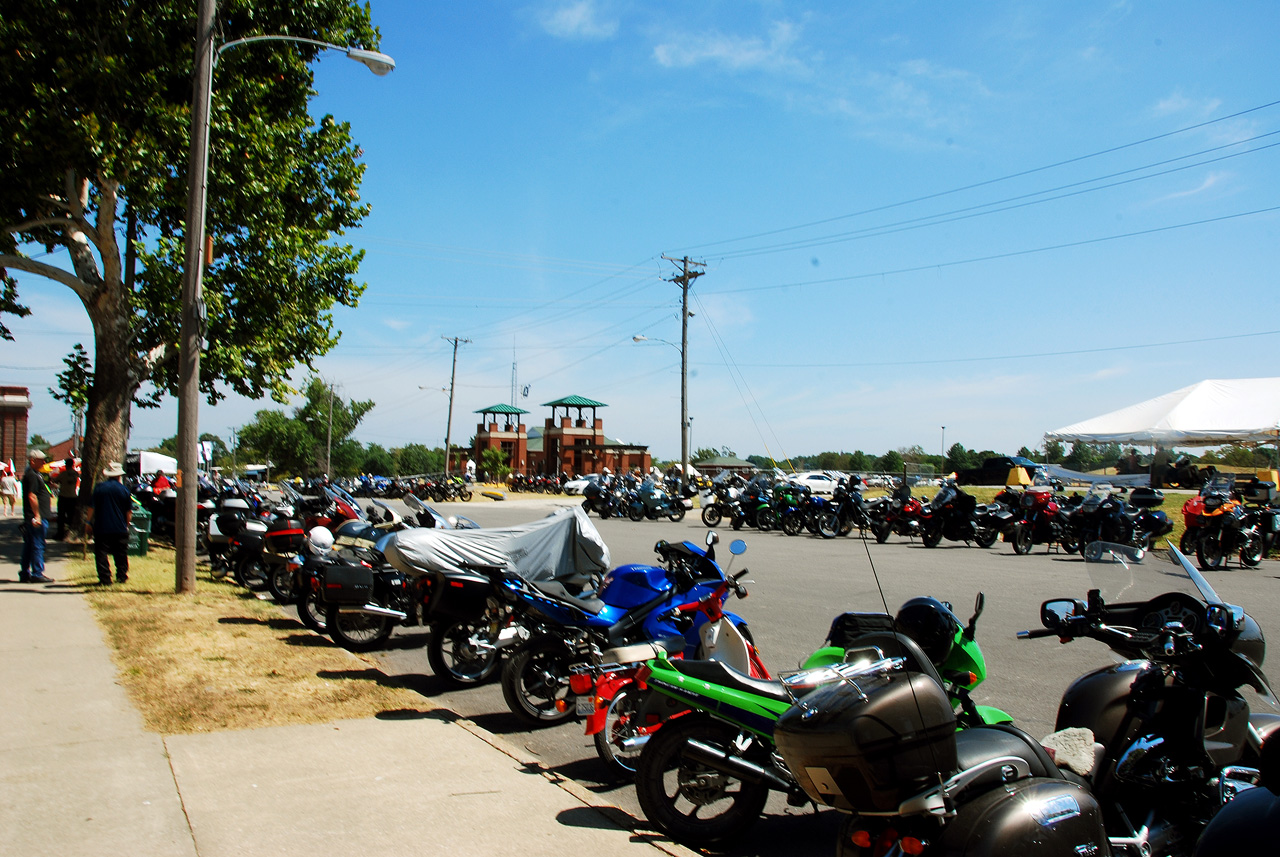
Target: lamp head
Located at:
point(378, 63)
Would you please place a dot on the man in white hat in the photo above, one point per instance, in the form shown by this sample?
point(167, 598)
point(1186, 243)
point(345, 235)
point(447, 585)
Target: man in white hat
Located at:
point(35, 519)
point(110, 517)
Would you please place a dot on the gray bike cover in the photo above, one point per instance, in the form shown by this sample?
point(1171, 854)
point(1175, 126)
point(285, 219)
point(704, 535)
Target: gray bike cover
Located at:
point(564, 546)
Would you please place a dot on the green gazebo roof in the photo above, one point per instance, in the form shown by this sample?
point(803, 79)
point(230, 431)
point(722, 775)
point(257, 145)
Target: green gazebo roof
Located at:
point(574, 402)
point(501, 409)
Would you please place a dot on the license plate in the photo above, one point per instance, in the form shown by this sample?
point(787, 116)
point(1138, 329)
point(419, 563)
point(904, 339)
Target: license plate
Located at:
point(586, 705)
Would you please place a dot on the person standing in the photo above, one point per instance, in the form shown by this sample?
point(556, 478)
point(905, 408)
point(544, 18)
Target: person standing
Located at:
point(35, 520)
point(160, 484)
point(110, 517)
point(8, 491)
point(68, 482)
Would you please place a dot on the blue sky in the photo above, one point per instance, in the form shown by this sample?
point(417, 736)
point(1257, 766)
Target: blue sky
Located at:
point(874, 188)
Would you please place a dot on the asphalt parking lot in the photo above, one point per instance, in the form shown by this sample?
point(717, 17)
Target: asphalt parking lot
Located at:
point(798, 584)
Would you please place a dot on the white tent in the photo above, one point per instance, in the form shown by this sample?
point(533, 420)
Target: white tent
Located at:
point(1243, 410)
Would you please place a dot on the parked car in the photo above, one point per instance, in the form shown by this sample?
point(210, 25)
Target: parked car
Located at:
point(576, 486)
point(816, 481)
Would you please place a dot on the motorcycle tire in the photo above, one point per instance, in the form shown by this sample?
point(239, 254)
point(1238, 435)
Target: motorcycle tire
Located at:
point(690, 802)
point(1252, 550)
point(635, 513)
point(535, 678)
point(620, 723)
point(766, 520)
point(1209, 553)
point(1188, 542)
point(829, 525)
point(986, 537)
point(281, 584)
point(456, 659)
point(1070, 544)
point(1022, 541)
point(792, 525)
point(357, 632)
point(677, 515)
point(881, 531)
point(604, 512)
point(712, 516)
point(252, 573)
point(737, 523)
point(311, 612)
point(931, 538)
point(465, 495)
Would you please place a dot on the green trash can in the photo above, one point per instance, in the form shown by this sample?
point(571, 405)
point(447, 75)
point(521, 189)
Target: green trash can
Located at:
point(139, 531)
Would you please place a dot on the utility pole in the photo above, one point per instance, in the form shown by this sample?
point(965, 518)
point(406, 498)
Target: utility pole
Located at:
point(328, 438)
point(684, 279)
point(453, 374)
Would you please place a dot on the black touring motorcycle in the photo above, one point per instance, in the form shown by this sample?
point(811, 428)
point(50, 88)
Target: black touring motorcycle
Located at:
point(1148, 751)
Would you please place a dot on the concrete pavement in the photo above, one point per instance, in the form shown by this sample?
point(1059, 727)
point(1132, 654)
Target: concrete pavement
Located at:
point(79, 775)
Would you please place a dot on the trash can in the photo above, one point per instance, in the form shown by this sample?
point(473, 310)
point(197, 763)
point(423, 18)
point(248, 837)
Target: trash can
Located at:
point(139, 531)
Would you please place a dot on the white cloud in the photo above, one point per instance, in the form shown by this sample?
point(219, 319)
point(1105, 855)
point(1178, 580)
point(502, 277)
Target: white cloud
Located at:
point(1176, 103)
point(398, 323)
point(1209, 182)
point(579, 20)
point(735, 53)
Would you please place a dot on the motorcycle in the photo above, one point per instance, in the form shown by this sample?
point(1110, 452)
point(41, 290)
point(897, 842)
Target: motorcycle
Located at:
point(1226, 526)
point(1145, 753)
point(716, 500)
point(899, 513)
point(652, 502)
point(705, 776)
point(635, 603)
point(1038, 520)
point(949, 515)
point(1103, 515)
point(602, 497)
point(846, 510)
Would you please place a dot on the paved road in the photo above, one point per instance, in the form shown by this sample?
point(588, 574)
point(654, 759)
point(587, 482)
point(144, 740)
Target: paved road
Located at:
point(799, 584)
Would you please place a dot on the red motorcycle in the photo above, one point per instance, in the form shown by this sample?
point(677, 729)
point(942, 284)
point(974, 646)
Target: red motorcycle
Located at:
point(1041, 521)
point(898, 513)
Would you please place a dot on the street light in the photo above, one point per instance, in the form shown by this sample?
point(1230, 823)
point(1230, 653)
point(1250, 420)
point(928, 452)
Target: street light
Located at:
point(193, 309)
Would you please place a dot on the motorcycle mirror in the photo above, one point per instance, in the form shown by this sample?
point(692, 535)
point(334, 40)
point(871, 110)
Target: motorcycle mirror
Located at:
point(737, 547)
point(1054, 614)
point(978, 604)
point(713, 539)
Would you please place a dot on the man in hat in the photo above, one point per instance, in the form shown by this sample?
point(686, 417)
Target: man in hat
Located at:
point(68, 482)
point(35, 519)
point(110, 517)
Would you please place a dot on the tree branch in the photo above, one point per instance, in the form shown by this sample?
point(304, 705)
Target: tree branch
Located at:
point(31, 266)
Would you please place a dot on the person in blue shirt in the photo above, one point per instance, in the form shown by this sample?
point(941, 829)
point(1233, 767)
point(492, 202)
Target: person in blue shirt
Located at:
point(110, 517)
point(35, 519)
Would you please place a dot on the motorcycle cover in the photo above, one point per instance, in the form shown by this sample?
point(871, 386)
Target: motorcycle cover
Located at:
point(564, 546)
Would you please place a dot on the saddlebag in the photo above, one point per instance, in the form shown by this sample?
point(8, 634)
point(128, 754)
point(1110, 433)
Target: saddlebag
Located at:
point(285, 535)
point(1032, 816)
point(458, 596)
point(1146, 498)
point(348, 584)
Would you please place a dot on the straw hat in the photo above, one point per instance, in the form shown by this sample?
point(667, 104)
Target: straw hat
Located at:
point(36, 455)
point(113, 469)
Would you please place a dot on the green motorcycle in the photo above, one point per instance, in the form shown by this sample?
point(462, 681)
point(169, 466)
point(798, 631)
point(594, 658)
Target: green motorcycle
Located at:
point(705, 775)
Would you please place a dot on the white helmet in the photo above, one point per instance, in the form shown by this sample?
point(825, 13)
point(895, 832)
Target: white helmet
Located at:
point(320, 540)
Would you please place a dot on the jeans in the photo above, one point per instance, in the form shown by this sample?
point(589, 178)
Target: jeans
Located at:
point(111, 545)
point(33, 537)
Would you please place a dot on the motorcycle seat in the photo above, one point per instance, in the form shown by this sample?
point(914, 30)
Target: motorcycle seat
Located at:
point(725, 676)
point(555, 589)
point(980, 743)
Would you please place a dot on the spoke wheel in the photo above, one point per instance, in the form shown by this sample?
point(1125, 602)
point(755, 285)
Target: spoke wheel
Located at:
point(311, 612)
point(1209, 553)
point(792, 524)
point(829, 525)
point(1022, 540)
point(535, 678)
point(711, 515)
point(1251, 552)
point(620, 723)
point(357, 632)
point(688, 801)
point(281, 583)
point(455, 657)
point(252, 573)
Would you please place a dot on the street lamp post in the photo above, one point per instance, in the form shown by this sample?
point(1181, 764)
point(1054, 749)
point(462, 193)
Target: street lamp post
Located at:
point(685, 425)
point(193, 309)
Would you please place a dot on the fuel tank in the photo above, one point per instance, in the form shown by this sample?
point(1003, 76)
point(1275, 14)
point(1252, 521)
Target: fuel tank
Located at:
point(630, 586)
point(1097, 700)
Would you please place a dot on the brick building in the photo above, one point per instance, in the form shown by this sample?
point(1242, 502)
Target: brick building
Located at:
point(570, 442)
point(15, 402)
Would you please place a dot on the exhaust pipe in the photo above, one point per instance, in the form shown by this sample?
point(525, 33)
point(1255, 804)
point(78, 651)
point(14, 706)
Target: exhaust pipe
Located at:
point(634, 743)
point(375, 610)
point(750, 772)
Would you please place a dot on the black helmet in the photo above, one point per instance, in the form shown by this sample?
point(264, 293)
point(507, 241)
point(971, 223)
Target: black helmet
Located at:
point(931, 624)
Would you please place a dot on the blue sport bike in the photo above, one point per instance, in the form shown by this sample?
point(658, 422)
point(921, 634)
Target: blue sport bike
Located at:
point(634, 604)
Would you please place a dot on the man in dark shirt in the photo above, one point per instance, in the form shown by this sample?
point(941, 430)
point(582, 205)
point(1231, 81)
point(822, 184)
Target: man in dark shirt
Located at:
point(35, 520)
point(110, 517)
point(68, 481)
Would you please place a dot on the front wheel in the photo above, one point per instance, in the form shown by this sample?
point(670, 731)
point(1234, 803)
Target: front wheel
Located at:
point(931, 537)
point(986, 536)
point(311, 612)
point(635, 513)
point(536, 678)
point(1022, 540)
point(792, 524)
point(465, 495)
point(766, 520)
point(676, 515)
point(712, 515)
point(881, 529)
point(1070, 543)
point(357, 632)
point(694, 804)
point(462, 653)
point(828, 525)
point(1251, 552)
point(281, 583)
point(1209, 553)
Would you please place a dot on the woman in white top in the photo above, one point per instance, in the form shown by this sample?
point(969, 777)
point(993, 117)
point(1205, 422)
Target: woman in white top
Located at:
point(8, 492)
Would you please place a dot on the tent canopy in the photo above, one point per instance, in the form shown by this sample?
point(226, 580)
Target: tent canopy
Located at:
point(1211, 413)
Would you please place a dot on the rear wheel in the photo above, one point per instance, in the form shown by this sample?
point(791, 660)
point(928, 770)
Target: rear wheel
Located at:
point(676, 515)
point(931, 537)
point(1070, 543)
point(1251, 552)
point(690, 802)
point(311, 612)
point(1188, 542)
point(620, 723)
point(882, 530)
point(357, 632)
point(456, 657)
point(635, 513)
point(281, 583)
point(712, 515)
point(986, 537)
point(536, 678)
point(766, 520)
point(251, 573)
point(793, 524)
point(829, 525)
point(1022, 540)
point(465, 494)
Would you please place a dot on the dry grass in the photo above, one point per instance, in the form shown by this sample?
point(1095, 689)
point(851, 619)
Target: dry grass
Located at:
point(223, 659)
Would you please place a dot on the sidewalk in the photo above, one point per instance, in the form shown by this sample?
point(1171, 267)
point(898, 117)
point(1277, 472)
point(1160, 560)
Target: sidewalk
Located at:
point(78, 775)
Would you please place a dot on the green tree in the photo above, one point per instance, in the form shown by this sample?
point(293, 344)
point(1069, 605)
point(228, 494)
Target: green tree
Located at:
point(94, 140)
point(299, 444)
point(377, 461)
point(1027, 453)
point(221, 455)
point(959, 458)
point(890, 462)
point(1054, 452)
point(414, 458)
point(703, 453)
point(494, 462)
point(1083, 457)
point(75, 381)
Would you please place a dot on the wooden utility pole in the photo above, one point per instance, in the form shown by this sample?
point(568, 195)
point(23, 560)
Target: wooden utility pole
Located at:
point(684, 279)
point(453, 374)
